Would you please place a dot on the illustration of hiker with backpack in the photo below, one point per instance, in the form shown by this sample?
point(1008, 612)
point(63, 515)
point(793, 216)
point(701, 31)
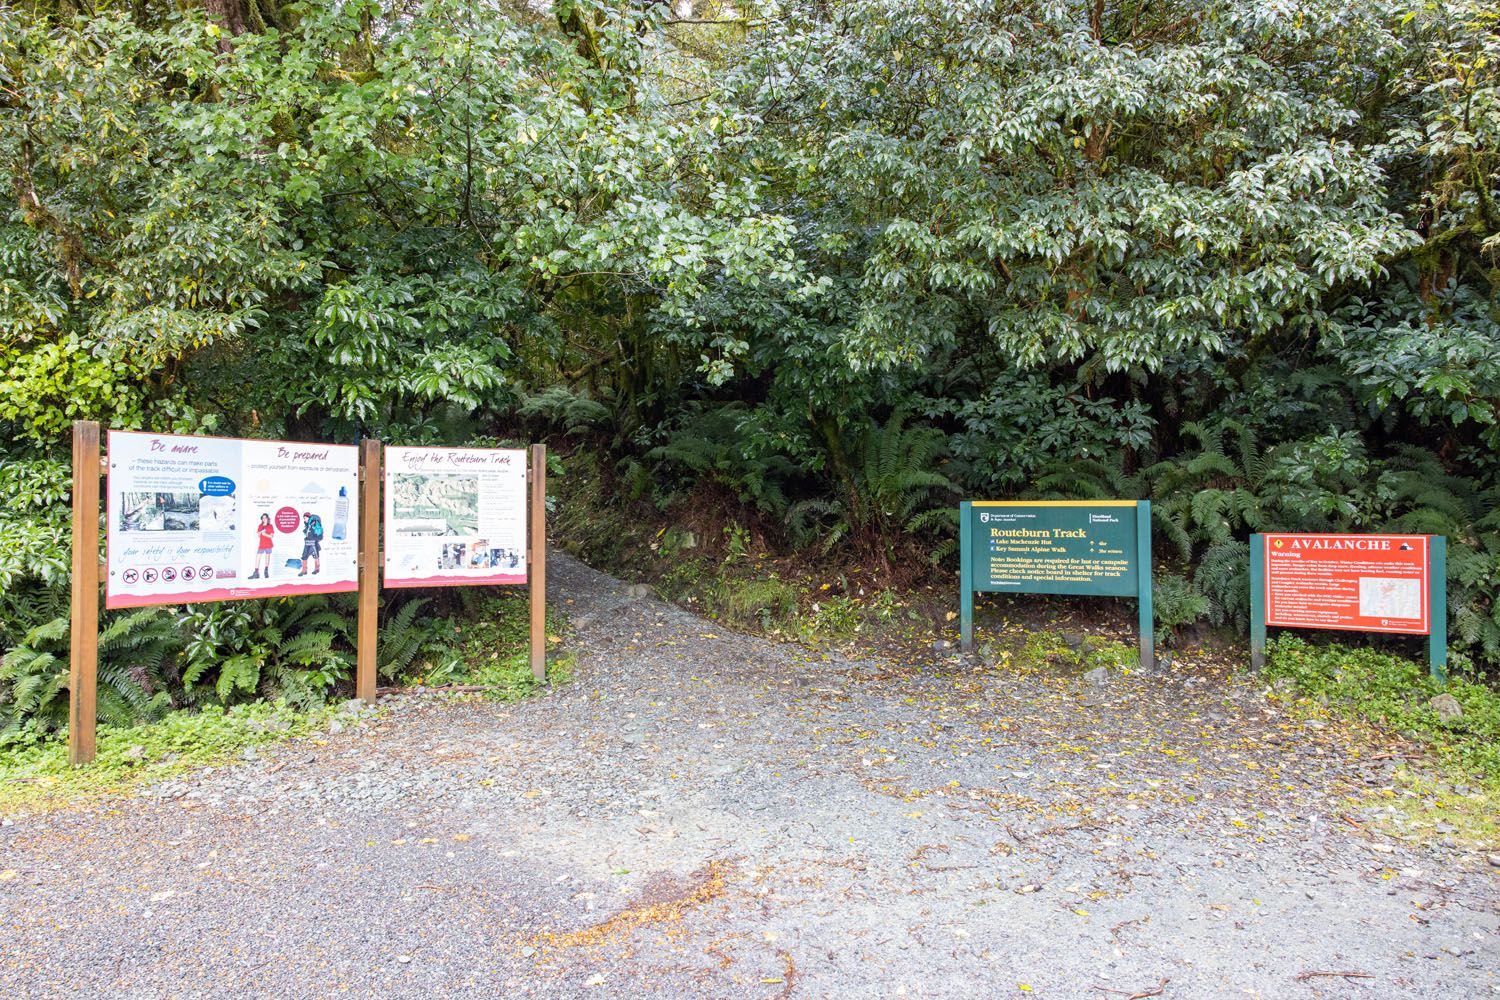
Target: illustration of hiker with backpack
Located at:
point(312, 542)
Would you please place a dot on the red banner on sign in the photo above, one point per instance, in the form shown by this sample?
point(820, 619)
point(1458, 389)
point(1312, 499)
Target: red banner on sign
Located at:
point(1369, 583)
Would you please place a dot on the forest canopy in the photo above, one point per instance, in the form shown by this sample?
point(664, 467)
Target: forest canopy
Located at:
point(844, 260)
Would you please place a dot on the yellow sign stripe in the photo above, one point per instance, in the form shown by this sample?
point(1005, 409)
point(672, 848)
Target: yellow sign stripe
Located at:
point(1053, 503)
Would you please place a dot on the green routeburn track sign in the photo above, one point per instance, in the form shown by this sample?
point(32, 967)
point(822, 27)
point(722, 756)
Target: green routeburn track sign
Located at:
point(1076, 547)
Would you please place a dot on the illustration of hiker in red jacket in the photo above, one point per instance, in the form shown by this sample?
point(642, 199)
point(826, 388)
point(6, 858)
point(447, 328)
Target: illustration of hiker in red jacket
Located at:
point(264, 535)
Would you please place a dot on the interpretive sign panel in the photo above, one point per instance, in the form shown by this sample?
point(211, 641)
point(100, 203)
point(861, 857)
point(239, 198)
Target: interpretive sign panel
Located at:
point(454, 516)
point(1364, 583)
point(1077, 547)
point(213, 519)
point(1056, 548)
point(1371, 583)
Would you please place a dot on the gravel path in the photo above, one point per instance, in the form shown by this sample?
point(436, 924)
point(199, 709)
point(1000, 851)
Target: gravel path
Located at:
point(705, 814)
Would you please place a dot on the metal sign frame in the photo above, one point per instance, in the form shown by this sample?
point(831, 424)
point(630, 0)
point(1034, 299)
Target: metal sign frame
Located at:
point(1437, 603)
point(969, 580)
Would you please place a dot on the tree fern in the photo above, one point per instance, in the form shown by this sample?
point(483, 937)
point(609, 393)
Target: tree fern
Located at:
point(560, 407)
point(891, 488)
point(713, 445)
point(1223, 577)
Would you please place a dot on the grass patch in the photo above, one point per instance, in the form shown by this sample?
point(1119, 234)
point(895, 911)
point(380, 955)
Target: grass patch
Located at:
point(35, 776)
point(492, 650)
point(1430, 806)
point(763, 603)
point(1043, 649)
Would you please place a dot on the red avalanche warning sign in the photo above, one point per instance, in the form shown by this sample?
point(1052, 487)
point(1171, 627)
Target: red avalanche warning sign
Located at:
point(1369, 583)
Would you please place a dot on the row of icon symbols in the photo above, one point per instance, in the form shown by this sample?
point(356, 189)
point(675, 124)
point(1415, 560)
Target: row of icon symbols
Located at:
point(167, 574)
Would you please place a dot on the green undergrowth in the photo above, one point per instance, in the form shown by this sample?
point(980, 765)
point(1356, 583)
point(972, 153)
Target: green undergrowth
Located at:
point(1046, 650)
point(1395, 693)
point(486, 651)
point(35, 774)
point(1455, 794)
point(490, 650)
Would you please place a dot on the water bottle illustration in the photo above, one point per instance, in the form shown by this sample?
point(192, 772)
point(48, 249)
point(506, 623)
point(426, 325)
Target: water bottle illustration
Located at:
point(341, 513)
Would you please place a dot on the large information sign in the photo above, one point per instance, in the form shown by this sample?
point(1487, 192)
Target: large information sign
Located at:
point(212, 519)
point(1371, 583)
point(454, 516)
point(1364, 583)
point(1077, 547)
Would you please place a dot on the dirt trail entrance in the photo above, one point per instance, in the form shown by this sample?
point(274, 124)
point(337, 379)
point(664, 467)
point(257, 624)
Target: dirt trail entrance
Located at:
point(705, 814)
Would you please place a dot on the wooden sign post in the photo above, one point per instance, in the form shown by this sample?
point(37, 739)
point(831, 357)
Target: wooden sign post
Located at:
point(366, 639)
point(83, 631)
point(182, 581)
point(536, 561)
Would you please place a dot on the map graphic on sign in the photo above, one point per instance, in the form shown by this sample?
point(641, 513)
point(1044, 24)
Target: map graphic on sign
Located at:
point(1381, 597)
point(454, 516)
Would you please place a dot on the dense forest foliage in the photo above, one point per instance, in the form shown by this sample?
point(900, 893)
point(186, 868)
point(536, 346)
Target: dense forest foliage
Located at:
point(845, 261)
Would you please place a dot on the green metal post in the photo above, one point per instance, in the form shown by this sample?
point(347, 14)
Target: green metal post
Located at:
point(1257, 601)
point(1437, 606)
point(965, 577)
point(1143, 583)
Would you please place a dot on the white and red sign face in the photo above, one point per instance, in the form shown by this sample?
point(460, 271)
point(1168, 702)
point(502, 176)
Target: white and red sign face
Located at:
point(454, 516)
point(1368, 583)
point(214, 519)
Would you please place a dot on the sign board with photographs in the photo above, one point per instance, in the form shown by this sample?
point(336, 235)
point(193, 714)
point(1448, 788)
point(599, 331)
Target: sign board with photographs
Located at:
point(1364, 583)
point(454, 516)
point(213, 519)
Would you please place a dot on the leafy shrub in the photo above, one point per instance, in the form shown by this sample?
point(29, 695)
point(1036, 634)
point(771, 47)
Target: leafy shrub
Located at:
point(296, 647)
point(1361, 682)
point(137, 653)
point(1018, 423)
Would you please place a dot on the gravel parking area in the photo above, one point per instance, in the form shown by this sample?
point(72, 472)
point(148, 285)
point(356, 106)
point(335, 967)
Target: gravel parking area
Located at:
point(706, 814)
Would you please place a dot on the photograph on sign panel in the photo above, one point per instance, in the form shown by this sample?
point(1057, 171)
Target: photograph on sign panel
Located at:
point(435, 505)
point(217, 513)
point(141, 511)
point(452, 556)
point(1382, 597)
